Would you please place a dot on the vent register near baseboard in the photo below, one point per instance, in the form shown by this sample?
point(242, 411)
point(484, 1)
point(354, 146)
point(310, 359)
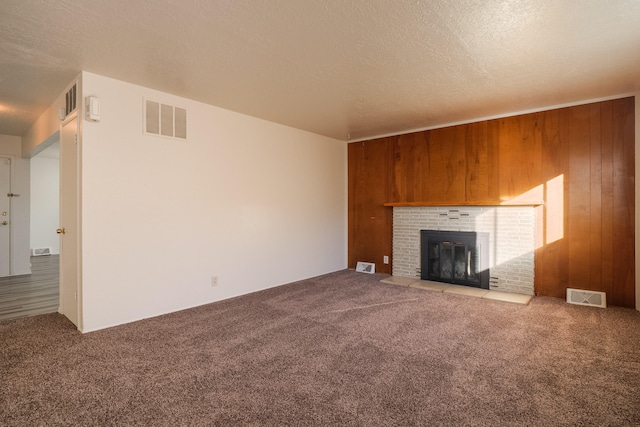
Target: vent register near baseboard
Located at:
point(40, 251)
point(165, 120)
point(591, 298)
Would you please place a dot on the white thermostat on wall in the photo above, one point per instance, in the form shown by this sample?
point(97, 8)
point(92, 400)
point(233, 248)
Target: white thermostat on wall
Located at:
point(93, 108)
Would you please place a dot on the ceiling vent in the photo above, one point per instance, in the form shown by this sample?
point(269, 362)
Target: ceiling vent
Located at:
point(165, 120)
point(592, 298)
point(69, 103)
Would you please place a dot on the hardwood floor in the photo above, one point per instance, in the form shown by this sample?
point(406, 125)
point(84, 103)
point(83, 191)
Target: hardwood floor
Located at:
point(31, 294)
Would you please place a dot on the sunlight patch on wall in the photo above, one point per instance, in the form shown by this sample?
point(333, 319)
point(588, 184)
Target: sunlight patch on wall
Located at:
point(512, 231)
point(534, 196)
point(554, 209)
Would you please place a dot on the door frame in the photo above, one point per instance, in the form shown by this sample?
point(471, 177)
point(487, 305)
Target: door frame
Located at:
point(65, 256)
point(11, 159)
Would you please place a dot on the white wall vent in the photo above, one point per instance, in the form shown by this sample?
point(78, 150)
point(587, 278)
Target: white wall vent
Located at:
point(365, 267)
point(582, 297)
point(40, 251)
point(165, 120)
point(70, 101)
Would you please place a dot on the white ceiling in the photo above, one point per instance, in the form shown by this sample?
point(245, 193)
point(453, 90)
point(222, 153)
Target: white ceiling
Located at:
point(341, 68)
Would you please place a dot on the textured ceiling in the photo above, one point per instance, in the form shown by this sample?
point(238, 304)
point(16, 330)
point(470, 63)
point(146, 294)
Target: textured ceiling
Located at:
point(345, 69)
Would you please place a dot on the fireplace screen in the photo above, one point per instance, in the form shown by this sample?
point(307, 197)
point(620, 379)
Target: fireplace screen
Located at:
point(458, 257)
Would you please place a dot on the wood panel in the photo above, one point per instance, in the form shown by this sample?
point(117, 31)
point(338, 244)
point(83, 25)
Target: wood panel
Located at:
point(578, 206)
point(551, 274)
point(456, 166)
point(411, 167)
point(623, 289)
point(446, 178)
point(370, 224)
point(481, 147)
point(520, 140)
point(606, 188)
point(580, 160)
point(595, 197)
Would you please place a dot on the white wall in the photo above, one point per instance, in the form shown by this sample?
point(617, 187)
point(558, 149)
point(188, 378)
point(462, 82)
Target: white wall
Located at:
point(20, 256)
point(256, 203)
point(45, 199)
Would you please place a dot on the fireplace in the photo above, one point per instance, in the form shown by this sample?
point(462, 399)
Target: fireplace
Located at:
point(458, 257)
point(511, 245)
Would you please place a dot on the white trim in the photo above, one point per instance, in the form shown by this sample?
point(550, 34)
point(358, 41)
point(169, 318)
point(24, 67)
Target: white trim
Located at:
point(72, 115)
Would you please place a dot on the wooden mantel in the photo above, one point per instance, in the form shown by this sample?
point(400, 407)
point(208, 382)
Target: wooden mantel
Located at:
point(505, 203)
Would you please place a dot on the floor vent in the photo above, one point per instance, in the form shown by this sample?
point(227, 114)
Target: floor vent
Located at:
point(365, 267)
point(40, 251)
point(582, 297)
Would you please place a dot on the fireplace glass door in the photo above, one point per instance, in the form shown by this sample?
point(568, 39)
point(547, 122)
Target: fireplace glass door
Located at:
point(455, 257)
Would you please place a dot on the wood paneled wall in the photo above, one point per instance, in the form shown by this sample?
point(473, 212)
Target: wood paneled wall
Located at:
point(578, 160)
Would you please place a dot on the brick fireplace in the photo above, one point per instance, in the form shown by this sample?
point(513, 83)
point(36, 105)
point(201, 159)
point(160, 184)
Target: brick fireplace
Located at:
point(511, 232)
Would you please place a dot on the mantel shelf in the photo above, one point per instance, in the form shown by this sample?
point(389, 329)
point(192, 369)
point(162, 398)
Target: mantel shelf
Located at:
point(504, 203)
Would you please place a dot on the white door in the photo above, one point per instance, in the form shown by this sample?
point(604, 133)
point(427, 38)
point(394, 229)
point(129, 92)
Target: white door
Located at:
point(5, 216)
point(69, 230)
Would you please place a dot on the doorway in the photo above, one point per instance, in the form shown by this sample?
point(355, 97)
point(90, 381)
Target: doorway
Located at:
point(31, 285)
point(69, 224)
point(5, 215)
point(45, 199)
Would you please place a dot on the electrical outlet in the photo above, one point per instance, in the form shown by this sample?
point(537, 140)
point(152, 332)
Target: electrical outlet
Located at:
point(385, 259)
point(214, 280)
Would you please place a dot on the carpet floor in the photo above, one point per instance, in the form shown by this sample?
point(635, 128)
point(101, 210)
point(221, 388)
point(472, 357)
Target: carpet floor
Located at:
point(341, 349)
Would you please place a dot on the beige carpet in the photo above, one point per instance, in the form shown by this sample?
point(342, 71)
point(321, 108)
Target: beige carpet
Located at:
point(342, 349)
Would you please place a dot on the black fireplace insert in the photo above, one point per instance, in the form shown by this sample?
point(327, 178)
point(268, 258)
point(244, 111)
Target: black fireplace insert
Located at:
point(458, 257)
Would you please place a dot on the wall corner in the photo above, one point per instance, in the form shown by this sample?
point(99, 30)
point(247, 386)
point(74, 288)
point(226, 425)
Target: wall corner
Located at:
point(637, 198)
